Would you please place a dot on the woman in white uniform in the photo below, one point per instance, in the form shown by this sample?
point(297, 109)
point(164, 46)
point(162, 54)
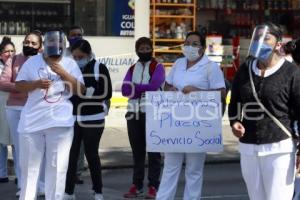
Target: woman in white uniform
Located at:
point(46, 123)
point(7, 50)
point(194, 72)
point(265, 101)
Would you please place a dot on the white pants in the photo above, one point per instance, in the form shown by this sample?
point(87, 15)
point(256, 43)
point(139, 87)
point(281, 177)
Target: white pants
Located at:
point(54, 144)
point(194, 163)
point(13, 118)
point(269, 177)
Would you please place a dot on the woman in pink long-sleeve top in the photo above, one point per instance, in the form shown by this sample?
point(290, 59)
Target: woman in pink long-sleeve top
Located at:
point(32, 45)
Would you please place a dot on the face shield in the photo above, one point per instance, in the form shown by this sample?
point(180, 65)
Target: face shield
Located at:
point(54, 44)
point(260, 45)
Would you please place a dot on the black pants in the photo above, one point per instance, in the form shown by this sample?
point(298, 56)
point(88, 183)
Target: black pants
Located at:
point(136, 126)
point(91, 138)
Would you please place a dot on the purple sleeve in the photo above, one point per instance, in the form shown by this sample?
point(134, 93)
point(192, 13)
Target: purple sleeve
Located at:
point(157, 79)
point(127, 84)
point(128, 87)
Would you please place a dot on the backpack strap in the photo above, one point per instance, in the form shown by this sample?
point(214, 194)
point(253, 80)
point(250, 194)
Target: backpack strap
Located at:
point(97, 70)
point(131, 68)
point(152, 67)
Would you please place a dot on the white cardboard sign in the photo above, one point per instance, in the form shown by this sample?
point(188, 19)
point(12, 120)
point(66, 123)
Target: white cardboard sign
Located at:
point(184, 123)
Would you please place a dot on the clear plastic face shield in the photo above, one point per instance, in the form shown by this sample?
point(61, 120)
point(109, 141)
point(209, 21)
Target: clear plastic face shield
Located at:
point(54, 44)
point(262, 44)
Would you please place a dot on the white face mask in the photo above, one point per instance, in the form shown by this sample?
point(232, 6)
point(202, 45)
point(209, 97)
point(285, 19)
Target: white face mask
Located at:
point(191, 53)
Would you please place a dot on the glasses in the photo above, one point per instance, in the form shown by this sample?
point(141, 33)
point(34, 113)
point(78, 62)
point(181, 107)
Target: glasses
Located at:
point(55, 96)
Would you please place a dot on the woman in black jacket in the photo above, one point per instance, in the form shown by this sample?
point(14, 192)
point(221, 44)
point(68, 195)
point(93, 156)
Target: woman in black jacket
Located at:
point(90, 111)
point(266, 147)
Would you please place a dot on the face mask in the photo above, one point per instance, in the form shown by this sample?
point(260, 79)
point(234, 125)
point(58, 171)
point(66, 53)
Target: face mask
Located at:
point(73, 40)
point(29, 51)
point(265, 51)
point(144, 57)
point(191, 53)
point(53, 51)
point(82, 62)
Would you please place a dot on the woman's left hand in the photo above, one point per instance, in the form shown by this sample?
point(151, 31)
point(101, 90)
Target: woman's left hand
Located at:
point(187, 89)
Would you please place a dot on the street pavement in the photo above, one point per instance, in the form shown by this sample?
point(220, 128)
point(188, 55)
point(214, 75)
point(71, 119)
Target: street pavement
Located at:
point(222, 177)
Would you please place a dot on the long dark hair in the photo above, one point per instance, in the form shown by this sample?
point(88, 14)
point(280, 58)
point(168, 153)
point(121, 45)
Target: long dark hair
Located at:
point(82, 45)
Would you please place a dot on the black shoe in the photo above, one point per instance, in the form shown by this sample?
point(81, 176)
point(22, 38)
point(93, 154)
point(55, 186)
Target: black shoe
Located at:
point(78, 181)
point(3, 180)
point(16, 181)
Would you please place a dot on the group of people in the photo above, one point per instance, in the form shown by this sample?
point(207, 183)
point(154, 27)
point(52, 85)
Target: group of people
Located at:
point(58, 100)
point(264, 114)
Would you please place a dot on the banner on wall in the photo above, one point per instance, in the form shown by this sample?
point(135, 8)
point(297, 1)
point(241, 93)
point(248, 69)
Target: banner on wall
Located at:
point(118, 66)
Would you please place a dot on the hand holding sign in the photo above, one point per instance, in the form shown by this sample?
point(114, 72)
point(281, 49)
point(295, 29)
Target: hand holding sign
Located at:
point(183, 123)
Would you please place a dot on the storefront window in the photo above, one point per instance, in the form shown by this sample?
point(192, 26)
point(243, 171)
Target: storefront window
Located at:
point(19, 17)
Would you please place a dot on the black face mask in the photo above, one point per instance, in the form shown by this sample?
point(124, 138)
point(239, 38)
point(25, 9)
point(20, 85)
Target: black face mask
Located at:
point(144, 57)
point(29, 51)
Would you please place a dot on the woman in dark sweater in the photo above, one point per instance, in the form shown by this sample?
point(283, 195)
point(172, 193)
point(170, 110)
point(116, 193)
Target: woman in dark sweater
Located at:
point(267, 150)
point(90, 111)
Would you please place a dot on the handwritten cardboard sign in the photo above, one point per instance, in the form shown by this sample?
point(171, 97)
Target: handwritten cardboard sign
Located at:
point(184, 123)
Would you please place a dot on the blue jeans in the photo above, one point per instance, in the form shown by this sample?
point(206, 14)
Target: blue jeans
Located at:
point(3, 160)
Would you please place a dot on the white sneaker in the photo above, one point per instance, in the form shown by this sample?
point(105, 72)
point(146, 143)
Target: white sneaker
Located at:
point(69, 196)
point(18, 193)
point(99, 196)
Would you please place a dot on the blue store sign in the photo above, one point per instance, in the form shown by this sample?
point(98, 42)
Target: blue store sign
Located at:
point(123, 17)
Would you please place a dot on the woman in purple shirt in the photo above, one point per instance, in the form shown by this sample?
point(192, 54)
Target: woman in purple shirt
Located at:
point(145, 75)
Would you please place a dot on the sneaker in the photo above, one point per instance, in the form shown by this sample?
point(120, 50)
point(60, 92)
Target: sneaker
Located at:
point(133, 192)
point(41, 194)
point(4, 180)
point(151, 194)
point(69, 196)
point(18, 193)
point(98, 196)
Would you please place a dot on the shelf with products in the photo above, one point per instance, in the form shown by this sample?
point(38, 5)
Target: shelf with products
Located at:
point(239, 17)
point(170, 21)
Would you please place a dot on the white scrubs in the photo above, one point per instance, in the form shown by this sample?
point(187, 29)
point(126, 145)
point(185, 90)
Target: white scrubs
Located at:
point(46, 129)
point(205, 74)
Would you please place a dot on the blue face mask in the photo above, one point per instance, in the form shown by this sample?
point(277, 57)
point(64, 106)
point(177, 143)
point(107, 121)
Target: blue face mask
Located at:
point(265, 51)
point(73, 40)
point(82, 62)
